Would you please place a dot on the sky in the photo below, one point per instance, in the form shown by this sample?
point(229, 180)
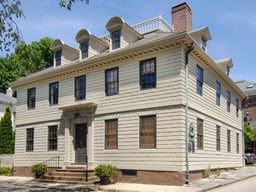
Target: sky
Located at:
point(232, 24)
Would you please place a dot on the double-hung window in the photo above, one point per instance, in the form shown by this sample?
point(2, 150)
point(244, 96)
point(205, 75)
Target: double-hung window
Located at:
point(200, 134)
point(228, 101)
point(148, 131)
point(84, 49)
point(237, 108)
point(111, 127)
point(30, 139)
point(218, 93)
point(54, 93)
point(228, 141)
point(217, 138)
point(31, 98)
point(199, 80)
point(148, 74)
point(58, 58)
point(52, 138)
point(80, 87)
point(237, 142)
point(111, 81)
point(115, 37)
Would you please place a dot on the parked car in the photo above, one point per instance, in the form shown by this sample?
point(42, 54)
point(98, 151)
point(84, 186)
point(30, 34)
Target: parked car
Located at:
point(249, 157)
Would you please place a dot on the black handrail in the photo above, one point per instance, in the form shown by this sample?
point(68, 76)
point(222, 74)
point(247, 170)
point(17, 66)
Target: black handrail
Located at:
point(52, 163)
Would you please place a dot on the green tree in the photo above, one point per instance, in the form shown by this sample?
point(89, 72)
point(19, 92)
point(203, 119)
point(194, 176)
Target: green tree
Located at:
point(9, 11)
point(25, 60)
point(7, 137)
point(250, 133)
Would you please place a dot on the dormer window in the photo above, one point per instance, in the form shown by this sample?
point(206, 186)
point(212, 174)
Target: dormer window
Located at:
point(84, 49)
point(58, 58)
point(204, 45)
point(115, 36)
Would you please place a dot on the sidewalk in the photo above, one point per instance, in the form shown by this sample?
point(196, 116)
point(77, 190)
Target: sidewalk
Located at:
point(196, 186)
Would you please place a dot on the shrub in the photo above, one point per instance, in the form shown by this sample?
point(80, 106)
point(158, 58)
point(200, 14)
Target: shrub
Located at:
point(38, 169)
point(207, 172)
point(6, 171)
point(105, 170)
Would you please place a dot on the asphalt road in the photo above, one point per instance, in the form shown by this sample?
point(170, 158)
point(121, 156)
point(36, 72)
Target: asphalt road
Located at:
point(247, 185)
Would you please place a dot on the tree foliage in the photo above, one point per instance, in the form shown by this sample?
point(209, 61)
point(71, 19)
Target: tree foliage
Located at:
point(250, 133)
point(27, 58)
point(10, 10)
point(7, 136)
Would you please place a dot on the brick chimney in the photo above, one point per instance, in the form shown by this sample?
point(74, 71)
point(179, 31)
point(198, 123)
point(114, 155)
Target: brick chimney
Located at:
point(182, 17)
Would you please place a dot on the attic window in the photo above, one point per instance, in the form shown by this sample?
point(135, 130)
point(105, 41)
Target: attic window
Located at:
point(84, 49)
point(250, 86)
point(115, 36)
point(204, 45)
point(58, 58)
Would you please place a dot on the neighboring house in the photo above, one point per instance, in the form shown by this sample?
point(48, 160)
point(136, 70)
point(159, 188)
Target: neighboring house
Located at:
point(7, 100)
point(249, 88)
point(127, 98)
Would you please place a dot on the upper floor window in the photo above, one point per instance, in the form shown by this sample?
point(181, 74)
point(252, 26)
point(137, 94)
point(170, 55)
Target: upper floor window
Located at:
point(199, 80)
point(30, 139)
point(54, 93)
point(52, 138)
point(111, 81)
point(204, 45)
point(80, 85)
point(237, 108)
point(218, 93)
point(148, 74)
point(148, 131)
point(115, 37)
point(111, 127)
point(31, 98)
point(228, 101)
point(84, 49)
point(58, 57)
point(200, 135)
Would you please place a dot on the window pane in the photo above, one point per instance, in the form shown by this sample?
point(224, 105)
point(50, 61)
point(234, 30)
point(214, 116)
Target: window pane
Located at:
point(218, 93)
point(148, 132)
point(58, 57)
point(218, 138)
point(200, 134)
point(115, 36)
point(52, 138)
point(31, 98)
point(228, 101)
point(228, 141)
point(30, 139)
point(54, 93)
point(111, 81)
point(200, 79)
point(111, 127)
point(80, 88)
point(84, 49)
point(148, 74)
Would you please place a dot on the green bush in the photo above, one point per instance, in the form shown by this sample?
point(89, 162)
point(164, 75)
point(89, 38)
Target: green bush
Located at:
point(6, 171)
point(105, 170)
point(38, 168)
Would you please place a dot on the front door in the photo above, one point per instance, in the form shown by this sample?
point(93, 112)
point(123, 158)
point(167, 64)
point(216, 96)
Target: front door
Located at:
point(80, 143)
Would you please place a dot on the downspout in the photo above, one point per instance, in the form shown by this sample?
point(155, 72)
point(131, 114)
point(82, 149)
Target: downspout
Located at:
point(190, 48)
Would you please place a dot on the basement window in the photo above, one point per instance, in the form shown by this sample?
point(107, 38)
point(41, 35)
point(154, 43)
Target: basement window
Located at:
point(129, 173)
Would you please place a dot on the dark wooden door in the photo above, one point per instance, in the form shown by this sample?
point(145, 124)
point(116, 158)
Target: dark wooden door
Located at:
point(81, 143)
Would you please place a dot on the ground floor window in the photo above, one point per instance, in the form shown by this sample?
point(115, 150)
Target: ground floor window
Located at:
point(111, 127)
point(200, 136)
point(30, 139)
point(52, 138)
point(148, 131)
point(228, 141)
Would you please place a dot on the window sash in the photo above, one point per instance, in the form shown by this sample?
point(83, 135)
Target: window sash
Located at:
point(31, 98)
point(218, 138)
point(200, 136)
point(228, 101)
point(52, 138)
point(237, 142)
point(111, 81)
point(218, 92)
point(115, 36)
point(54, 93)
point(80, 87)
point(148, 131)
point(200, 79)
point(228, 141)
point(58, 57)
point(237, 108)
point(111, 139)
point(148, 74)
point(84, 49)
point(30, 139)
